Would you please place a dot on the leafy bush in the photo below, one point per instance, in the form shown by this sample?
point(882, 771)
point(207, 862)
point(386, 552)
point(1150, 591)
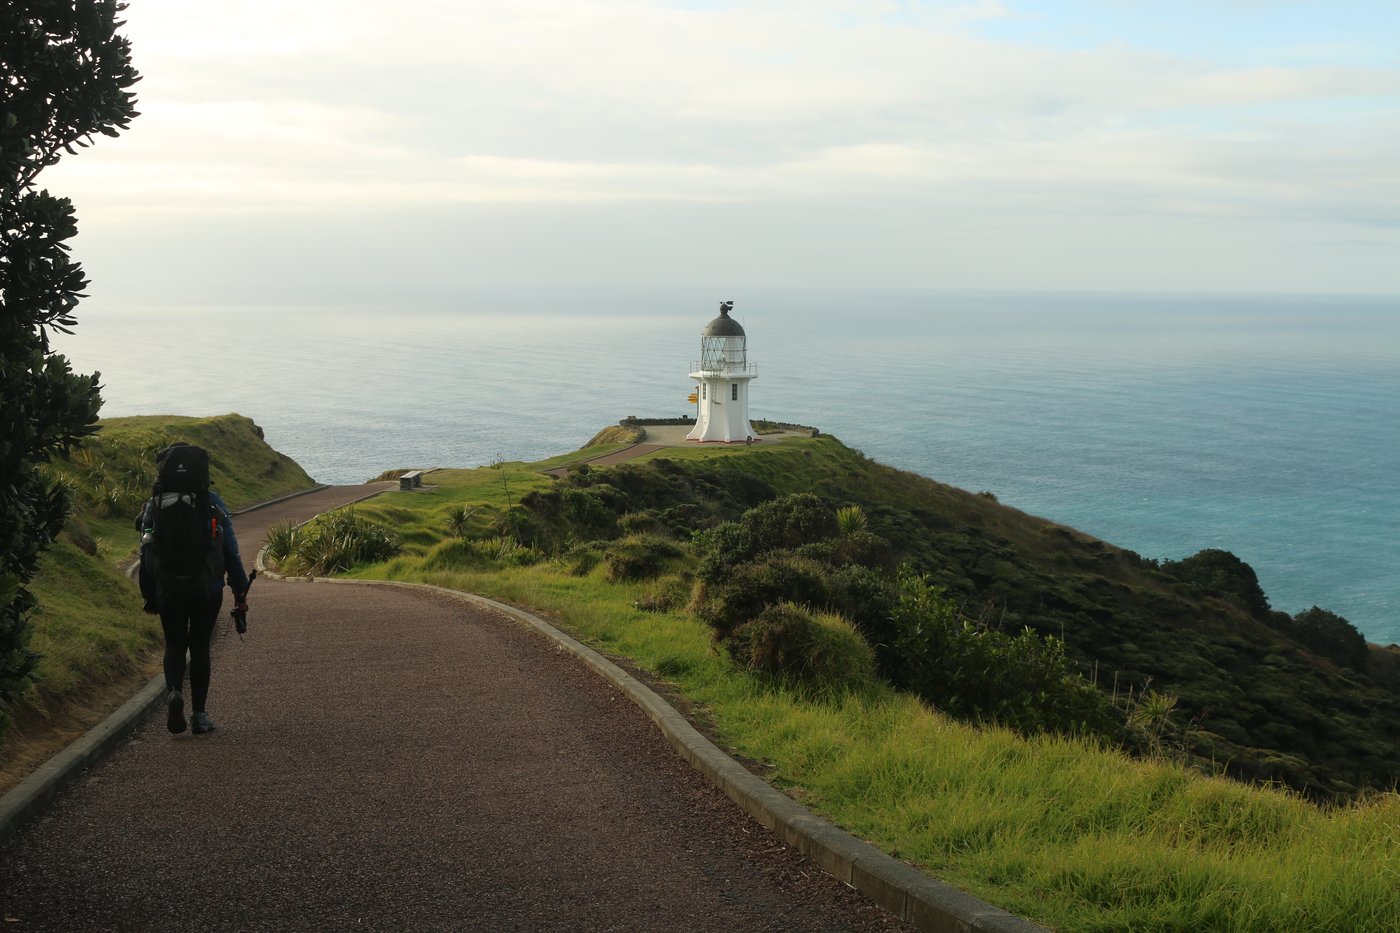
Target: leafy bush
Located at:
point(580, 559)
point(790, 522)
point(1331, 636)
point(868, 598)
point(336, 542)
point(281, 542)
point(1222, 574)
point(640, 523)
point(721, 548)
point(640, 557)
point(1022, 681)
point(459, 520)
point(751, 588)
point(858, 547)
point(587, 512)
point(780, 524)
point(821, 655)
point(665, 594)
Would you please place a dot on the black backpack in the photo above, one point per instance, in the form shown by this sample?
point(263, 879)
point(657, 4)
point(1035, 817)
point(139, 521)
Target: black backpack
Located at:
point(182, 548)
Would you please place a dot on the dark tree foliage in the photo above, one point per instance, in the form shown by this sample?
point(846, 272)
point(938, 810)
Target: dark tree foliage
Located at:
point(65, 75)
point(1220, 573)
point(1331, 636)
point(779, 524)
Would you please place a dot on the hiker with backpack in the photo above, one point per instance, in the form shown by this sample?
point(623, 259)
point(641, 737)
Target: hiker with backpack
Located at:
point(188, 549)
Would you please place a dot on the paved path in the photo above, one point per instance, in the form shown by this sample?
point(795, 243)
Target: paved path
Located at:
point(396, 760)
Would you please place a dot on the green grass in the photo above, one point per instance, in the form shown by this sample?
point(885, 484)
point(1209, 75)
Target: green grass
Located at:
point(1061, 831)
point(82, 646)
point(111, 473)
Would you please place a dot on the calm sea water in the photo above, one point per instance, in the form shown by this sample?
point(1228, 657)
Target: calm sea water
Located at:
point(1265, 426)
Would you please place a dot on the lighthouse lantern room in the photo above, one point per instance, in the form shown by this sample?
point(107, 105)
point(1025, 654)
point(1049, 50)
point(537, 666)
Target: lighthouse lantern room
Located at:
point(722, 377)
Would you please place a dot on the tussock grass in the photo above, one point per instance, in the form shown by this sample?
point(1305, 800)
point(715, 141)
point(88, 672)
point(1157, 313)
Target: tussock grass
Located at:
point(1062, 831)
point(330, 544)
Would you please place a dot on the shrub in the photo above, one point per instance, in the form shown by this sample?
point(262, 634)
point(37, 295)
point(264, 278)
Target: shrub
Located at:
point(858, 547)
point(1222, 574)
point(1331, 636)
point(587, 512)
point(821, 655)
point(580, 559)
point(337, 542)
point(665, 594)
point(720, 548)
point(850, 519)
point(1023, 681)
point(751, 588)
point(281, 542)
point(641, 557)
point(459, 520)
point(641, 523)
point(781, 524)
point(868, 599)
point(790, 521)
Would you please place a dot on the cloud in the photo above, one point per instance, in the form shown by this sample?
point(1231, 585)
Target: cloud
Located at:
point(328, 108)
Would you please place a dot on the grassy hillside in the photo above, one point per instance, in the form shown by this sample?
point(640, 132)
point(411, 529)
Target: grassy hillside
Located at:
point(1259, 698)
point(97, 646)
point(1061, 829)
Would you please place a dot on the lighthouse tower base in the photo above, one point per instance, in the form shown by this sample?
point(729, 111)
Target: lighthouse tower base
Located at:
point(723, 416)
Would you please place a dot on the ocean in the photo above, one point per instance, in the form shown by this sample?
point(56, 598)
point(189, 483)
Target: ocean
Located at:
point(1263, 425)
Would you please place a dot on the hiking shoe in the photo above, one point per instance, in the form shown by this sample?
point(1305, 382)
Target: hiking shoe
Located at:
point(202, 722)
point(175, 712)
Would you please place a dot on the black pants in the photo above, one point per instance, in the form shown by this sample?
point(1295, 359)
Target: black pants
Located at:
point(189, 625)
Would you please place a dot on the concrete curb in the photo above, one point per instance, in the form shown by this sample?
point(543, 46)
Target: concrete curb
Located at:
point(291, 495)
point(27, 798)
point(915, 897)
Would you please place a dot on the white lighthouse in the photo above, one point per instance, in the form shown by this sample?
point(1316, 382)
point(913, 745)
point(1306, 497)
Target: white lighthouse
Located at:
point(722, 376)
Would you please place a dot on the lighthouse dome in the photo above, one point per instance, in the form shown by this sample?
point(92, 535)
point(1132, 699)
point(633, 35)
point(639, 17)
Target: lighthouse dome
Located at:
point(724, 325)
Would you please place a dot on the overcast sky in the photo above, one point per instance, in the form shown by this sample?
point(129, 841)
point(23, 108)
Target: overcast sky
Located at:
point(333, 150)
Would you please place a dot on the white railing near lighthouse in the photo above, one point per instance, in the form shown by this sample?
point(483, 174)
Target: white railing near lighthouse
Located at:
point(725, 368)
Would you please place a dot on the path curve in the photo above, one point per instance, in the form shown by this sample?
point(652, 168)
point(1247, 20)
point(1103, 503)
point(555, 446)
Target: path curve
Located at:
point(396, 760)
